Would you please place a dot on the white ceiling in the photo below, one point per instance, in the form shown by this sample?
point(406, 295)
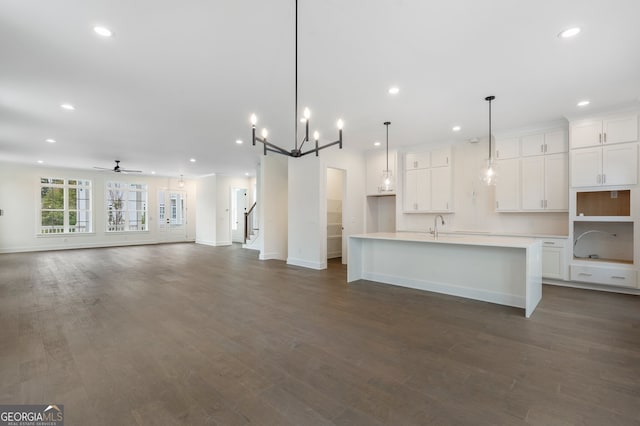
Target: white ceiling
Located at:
point(180, 79)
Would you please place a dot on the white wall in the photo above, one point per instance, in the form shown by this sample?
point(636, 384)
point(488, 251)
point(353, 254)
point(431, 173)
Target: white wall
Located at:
point(206, 210)
point(308, 208)
point(20, 200)
point(474, 203)
point(272, 204)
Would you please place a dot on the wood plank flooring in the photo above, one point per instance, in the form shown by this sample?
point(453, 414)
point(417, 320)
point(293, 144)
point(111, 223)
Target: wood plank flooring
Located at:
point(188, 334)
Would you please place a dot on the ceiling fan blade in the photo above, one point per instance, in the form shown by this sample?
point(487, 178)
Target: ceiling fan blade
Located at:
point(130, 171)
point(101, 168)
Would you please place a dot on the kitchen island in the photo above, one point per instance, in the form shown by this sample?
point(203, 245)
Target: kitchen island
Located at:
point(502, 270)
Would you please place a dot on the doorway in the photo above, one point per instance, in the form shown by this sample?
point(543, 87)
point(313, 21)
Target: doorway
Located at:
point(238, 209)
point(335, 198)
point(172, 215)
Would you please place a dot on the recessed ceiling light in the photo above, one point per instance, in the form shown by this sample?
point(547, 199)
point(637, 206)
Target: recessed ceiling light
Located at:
point(569, 32)
point(40, 161)
point(193, 160)
point(103, 31)
point(394, 90)
point(376, 143)
point(456, 128)
point(239, 141)
point(246, 174)
point(50, 140)
point(583, 103)
point(68, 107)
point(153, 172)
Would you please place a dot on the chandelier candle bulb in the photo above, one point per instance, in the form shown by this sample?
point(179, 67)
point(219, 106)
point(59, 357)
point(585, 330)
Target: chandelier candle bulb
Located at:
point(307, 114)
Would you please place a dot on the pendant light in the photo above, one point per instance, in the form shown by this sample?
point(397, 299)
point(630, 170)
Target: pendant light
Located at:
point(489, 169)
point(386, 183)
point(297, 151)
point(181, 182)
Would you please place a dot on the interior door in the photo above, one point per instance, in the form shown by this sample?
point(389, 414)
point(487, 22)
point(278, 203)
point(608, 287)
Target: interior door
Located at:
point(238, 209)
point(172, 215)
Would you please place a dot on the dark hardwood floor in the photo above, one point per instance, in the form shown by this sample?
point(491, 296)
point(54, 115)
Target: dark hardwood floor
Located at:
point(189, 334)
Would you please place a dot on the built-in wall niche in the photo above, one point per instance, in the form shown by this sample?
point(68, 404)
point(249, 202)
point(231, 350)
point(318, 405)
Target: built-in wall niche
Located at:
point(603, 241)
point(603, 203)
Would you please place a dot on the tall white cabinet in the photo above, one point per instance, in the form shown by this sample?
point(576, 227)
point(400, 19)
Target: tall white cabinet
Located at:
point(605, 206)
point(428, 182)
point(533, 172)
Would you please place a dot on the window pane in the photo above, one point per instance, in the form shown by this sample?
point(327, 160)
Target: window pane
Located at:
point(73, 198)
point(72, 182)
point(138, 186)
point(52, 198)
point(53, 219)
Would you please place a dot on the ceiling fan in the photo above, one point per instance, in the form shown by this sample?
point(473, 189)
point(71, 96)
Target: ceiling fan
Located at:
point(117, 169)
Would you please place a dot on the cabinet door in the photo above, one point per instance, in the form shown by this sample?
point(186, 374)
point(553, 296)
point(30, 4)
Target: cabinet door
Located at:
point(586, 167)
point(533, 183)
point(553, 262)
point(532, 145)
point(440, 157)
point(507, 148)
point(621, 129)
point(620, 164)
point(416, 160)
point(556, 183)
point(556, 142)
point(417, 190)
point(586, 133)
point(508, 185)
point(441, 189)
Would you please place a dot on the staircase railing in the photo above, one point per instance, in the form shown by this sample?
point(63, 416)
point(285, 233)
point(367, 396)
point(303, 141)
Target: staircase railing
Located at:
point(248, 222)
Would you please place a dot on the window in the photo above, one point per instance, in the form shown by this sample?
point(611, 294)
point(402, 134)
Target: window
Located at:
point(65, 206)
point(126, 207)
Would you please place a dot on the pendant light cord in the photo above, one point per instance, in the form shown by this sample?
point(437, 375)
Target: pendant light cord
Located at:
point(489, 98)
point(295, 114)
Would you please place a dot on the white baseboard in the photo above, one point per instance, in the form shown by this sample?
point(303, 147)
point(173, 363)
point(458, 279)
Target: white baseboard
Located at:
point(588, 286)
point(306, 263)
point(271, 256)
point(206, 242)
point(452, 290)
point(85, 245)
point(223, 243)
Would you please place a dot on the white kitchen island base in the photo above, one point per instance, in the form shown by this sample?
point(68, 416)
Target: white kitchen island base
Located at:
point(502, 270)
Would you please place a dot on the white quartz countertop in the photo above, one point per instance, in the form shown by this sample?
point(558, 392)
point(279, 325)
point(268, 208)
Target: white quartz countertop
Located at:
point(462, 239)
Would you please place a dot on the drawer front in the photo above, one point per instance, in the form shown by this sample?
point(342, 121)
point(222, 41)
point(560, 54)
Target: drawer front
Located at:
point(602, 275)
point(553, 243)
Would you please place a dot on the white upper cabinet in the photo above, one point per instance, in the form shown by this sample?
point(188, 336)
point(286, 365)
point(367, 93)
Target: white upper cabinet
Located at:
point(532, 145)
point(554, 142)
point(417, 190)
point(440, 157)
point(428, 182)
point(620, 164)
point(545, 183)
point(417, 160)
point(595, 132)
point(606, 166)
point(620, 129)
point(507, 148)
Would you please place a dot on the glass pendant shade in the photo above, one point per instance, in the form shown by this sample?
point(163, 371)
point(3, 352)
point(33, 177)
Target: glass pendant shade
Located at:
point(489, 172)
point(386, 181)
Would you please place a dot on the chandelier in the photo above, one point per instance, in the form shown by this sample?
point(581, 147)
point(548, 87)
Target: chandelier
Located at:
point(297, 151)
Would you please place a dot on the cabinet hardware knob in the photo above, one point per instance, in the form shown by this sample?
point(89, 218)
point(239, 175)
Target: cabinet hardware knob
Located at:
point(599, 137)
point(605, 137)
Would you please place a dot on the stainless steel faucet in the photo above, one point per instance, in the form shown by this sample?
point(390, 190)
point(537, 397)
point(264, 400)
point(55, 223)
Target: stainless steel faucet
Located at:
point(435, 225)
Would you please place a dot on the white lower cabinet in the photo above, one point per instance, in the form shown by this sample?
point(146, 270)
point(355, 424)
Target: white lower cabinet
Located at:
point(611, 275)
point(554, 258)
